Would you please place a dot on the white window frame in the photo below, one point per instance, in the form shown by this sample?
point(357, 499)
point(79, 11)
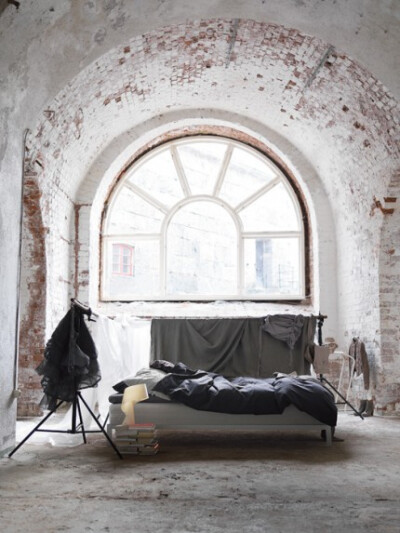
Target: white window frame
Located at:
point(107, 237)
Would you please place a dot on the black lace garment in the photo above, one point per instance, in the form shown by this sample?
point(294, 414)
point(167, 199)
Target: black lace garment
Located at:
point(70, 360)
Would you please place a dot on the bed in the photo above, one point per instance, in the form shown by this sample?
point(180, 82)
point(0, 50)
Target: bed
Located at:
point(204, 373)
point(181, 398)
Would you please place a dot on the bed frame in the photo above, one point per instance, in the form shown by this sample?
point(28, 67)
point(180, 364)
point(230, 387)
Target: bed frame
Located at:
point(176, 416)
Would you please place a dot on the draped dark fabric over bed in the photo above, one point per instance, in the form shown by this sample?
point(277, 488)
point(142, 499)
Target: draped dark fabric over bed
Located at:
point(236, 346)
point(210, 391)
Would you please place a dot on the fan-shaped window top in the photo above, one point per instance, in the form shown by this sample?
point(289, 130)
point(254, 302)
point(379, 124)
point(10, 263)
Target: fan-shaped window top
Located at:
point(208, 218)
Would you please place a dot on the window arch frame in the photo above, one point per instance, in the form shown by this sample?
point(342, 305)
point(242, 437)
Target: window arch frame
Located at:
point(282, 176)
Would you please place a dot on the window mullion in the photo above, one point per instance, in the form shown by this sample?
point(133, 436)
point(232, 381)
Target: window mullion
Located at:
point(270, 234)
point(180, 171)
point(147, 197)
point(257, 194)
point(163, 261)
point(127, 237)
point(223, 169)
point(240, 264)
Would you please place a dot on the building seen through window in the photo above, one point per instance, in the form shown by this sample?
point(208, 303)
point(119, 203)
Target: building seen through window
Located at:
point(122, 260)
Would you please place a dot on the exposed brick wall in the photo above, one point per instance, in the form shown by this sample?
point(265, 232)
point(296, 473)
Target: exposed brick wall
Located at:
point(333, 111)
point(388, 383)
point(33, 301)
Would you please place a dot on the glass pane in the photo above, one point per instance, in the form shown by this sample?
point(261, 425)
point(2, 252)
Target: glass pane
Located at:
point(273, 211)
point(131, 214)
point(202, 251)
point(271, 266)
point(201, 162)
point(246, 174)
point(145, 278)
point(158, 177)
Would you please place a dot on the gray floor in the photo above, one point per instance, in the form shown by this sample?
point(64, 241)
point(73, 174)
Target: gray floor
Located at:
point(234, 482)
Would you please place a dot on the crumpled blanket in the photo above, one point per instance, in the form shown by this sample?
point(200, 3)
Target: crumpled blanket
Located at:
point(209, 391)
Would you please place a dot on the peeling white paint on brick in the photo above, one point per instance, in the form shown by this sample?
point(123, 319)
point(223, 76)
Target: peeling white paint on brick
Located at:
point(90, 83)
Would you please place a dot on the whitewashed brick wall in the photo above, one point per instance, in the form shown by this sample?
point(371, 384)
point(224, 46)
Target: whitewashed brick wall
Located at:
point(338, 117)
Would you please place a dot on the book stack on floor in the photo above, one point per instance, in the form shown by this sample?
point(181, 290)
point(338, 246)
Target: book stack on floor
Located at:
point(138, 439)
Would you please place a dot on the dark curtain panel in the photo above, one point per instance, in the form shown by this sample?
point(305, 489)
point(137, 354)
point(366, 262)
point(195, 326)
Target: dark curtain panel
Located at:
point(224, 346)
point(231, 347)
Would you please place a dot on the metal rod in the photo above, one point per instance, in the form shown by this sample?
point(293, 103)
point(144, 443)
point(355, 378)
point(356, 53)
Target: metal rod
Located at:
point(98, 423)
point(321, 63)
point(232, 41)
point(36, 428)
point(86, 310)
point(81, 419)
point(322, 379)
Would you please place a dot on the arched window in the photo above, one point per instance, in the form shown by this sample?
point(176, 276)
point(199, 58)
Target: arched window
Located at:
point(203, 218)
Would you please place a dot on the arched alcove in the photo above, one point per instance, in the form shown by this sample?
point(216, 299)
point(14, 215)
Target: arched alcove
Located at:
point(296, 97)
point(112, 166)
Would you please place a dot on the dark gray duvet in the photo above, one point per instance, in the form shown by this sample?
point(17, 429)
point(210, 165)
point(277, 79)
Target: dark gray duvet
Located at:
point(209, 391)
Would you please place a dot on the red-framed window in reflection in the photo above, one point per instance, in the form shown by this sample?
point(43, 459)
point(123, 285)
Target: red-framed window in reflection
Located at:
point(122, 262)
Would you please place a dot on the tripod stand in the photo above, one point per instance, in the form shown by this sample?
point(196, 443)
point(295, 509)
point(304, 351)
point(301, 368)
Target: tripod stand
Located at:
point(75, 428)
point(322, 379)
point(70, 365)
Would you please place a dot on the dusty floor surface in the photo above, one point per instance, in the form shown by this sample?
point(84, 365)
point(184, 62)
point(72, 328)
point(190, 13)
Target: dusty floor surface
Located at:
point(210, 482)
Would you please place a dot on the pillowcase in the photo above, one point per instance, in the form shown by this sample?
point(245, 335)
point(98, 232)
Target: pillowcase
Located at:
point(149, 376)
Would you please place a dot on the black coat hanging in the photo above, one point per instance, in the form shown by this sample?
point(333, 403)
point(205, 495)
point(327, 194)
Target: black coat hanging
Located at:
point(70, 360)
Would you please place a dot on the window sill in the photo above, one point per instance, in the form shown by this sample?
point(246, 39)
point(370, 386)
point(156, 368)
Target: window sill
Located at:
point(220, 309)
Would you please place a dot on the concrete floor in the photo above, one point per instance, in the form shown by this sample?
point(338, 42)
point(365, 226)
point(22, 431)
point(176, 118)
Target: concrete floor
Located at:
point(208, 482)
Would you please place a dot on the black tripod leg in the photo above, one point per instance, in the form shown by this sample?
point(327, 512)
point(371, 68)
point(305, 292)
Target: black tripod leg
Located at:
point(73, 417)
point(342, 397)
point(106, 420)
point(35, 429)
point(100, 426)
point(81, 419)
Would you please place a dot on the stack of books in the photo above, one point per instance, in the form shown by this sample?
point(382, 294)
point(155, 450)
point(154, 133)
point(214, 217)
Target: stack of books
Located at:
point(137, 439)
